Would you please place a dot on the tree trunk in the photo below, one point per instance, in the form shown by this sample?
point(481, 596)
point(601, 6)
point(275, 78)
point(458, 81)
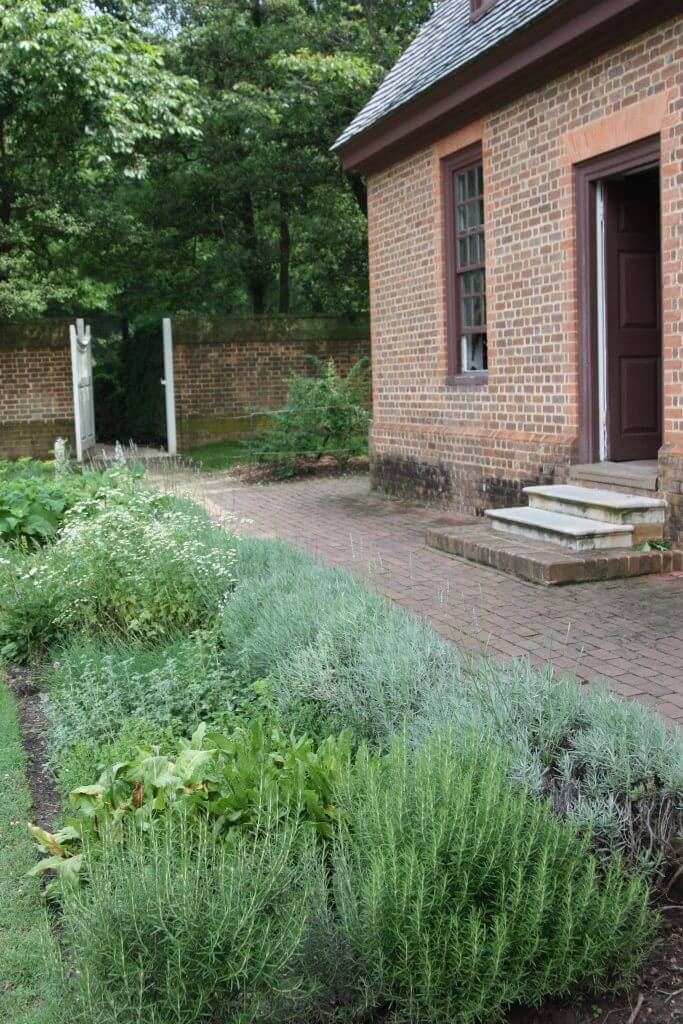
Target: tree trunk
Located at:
point(360, 191)
point(254, 273)
point(285, 252)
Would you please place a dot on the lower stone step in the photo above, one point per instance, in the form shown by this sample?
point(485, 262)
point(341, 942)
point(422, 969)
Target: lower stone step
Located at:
point(548, 564)
point(572, 532)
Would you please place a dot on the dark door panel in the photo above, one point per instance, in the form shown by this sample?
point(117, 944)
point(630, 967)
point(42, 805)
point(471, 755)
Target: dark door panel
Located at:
point(633, 301)
point(640, 391)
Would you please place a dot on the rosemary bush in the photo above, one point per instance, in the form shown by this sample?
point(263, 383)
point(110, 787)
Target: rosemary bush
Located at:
point(178, 926)
point(459, 896)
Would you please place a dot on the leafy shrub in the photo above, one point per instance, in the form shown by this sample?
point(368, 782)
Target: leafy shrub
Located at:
point(326, 412)
point(133, 564)
point(459, 896)
point(87, 758)
point(611, 766)
point(224, 776)
point(339, 654)
point(34, 501)
point(179, 927)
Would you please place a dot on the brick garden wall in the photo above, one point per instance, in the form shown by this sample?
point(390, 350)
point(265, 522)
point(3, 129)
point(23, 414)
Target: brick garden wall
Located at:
point(476, 446)
point(226, 368)
point(36, 398)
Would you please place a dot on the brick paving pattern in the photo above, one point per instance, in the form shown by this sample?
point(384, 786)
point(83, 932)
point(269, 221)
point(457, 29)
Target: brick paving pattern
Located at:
point(627, 633)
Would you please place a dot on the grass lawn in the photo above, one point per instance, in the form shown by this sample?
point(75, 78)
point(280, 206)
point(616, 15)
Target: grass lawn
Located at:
point(223, 455)
point(24, 932)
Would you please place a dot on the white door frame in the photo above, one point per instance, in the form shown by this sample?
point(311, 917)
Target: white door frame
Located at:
point(169, 386)
point(601, 284)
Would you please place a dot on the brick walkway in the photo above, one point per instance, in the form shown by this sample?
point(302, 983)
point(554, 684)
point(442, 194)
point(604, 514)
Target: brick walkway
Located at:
point(628, 633)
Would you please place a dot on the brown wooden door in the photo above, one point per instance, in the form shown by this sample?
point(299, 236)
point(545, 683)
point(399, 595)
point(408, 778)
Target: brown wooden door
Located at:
point(633, 320)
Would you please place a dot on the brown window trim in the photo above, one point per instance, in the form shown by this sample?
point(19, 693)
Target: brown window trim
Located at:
point(478, 8)
point(586, 177)
point(450, 166)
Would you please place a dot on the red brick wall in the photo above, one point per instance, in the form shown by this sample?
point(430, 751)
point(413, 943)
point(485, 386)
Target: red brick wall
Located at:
point(226, 368)
point(476, 446)
point(36, 399)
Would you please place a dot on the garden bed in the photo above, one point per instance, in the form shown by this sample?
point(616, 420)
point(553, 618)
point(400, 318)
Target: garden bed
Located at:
point(270, 787)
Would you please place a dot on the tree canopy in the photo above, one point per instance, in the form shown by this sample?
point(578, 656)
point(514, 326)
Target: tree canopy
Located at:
point(174, 156)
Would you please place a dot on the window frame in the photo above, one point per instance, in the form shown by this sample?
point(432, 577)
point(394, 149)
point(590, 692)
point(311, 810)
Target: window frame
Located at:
point(477, 12)
point(450, 167)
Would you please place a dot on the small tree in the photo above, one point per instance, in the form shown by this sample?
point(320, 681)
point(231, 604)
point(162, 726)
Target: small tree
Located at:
point(328, 413)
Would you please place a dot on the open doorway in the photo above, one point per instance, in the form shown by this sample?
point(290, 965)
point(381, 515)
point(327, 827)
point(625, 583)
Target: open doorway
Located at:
point(619, 235)
point(138, 403)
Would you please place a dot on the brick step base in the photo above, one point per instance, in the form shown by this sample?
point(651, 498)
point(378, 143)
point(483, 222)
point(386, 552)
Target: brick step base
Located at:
point(548, 564)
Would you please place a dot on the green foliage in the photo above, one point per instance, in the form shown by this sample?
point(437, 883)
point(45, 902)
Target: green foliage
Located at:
point(178, 927)
point(94, 687)
point(83, 760)
point(327, 412)
point(27, 949)
point(341, 656)
point(338, 653)
point(459, 896)
point(612, 766)
point(34, 501)
point(227, 778)
point(83, 95)
point(129, 562)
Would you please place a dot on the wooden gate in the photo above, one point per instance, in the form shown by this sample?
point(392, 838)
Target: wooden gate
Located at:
point(84, 398)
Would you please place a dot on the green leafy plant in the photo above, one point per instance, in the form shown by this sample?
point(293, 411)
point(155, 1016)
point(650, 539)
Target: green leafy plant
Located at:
point(34, 501)
point(341, 656)
point(94, 687)
point(459, 896)
point(223, 777)
point(324, 413)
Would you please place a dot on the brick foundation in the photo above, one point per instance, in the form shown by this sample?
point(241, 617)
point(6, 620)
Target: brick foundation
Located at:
point(224, 369)
point(671, 486)
point(36, 397)
point(475, 446)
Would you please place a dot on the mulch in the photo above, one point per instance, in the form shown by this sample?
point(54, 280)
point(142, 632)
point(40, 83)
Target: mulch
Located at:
point(293, 469)
point(33, 728)
point(657, 997)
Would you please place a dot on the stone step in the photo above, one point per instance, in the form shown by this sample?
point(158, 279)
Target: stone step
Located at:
point(548, 564)
point(571, 532)
point(635, 477)
point(646, 515)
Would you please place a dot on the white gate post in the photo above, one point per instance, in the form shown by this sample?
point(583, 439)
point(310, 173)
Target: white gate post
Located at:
point(169, 386)
point(84, 398)
point(78, 427)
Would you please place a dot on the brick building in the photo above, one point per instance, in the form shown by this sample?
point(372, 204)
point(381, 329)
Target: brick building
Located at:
point(525, 182)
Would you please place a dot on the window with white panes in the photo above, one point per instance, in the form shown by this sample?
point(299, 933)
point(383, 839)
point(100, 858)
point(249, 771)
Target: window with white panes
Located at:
point(471, 267)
